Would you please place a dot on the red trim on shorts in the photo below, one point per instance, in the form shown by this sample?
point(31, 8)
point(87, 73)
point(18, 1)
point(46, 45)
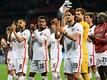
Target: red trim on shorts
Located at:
point(46, 52)
point(80, 54)
point(24, 54)
point(57, 56)
point(93, 55)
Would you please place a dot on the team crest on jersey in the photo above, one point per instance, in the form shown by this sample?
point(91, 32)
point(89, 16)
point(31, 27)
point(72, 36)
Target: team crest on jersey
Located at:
point(72, 29)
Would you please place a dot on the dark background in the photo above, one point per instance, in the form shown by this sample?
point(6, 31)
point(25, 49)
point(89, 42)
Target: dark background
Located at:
point(30, 9)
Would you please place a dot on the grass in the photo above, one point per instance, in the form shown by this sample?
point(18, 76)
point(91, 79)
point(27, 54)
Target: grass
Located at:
point(3, 73)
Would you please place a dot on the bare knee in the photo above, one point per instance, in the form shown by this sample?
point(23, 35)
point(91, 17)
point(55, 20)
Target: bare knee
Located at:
point(44, 74)
point(21, 74)
point(32, 74)
point(11, 72)
point(76, 76)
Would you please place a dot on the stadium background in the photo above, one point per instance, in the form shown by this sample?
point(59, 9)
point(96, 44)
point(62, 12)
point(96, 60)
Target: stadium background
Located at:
point(30, 9)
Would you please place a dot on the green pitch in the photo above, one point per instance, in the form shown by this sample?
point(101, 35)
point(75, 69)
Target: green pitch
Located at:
point(3, 73)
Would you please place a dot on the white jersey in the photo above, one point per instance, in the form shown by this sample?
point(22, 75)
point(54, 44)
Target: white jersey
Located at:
point(73, 48)
point(40, 47)
point(22, 48)
point(90, 45)
point(56, 47)
point(13, 45)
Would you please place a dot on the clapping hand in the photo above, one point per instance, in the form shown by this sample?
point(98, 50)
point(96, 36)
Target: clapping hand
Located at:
point(13, 27)
point(57, 24)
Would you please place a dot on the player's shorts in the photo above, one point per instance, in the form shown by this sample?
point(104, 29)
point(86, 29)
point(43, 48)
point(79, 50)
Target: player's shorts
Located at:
point(72, 65)
point(11, 61)
point(22, 65)
point(56, 64)
point(39, 66)
point(101, 59)
point(91, 60)
point(84, 66)
point(11, 64)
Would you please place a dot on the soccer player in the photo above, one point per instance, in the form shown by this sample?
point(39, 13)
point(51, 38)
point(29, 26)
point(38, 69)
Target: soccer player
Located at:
point(100, 40)
point(90, 19)
point(80, 13)
point(22, 38)
point(32, 28)
point(10, 54)
point(40, 49)
point(55, 52)
point(72, 33)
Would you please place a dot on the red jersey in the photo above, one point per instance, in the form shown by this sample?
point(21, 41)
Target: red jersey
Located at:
point(101, 37)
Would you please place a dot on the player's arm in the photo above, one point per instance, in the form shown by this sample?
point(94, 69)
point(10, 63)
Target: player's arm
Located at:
point(18, 37)
point(73, 37)
point(101, 39)
point(60, 29)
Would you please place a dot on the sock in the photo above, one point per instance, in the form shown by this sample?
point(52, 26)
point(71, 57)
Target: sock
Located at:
point(59, 76)
point(31, 78)
point(90, 75)
point(97, 74)
point(44, 78)
point(54, 76)
point(21, 78)
point(10, 77)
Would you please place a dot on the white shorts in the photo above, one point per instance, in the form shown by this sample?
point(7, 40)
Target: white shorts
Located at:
point(11, 61)
point(56, 64)
point(91, 60)
point(22, 65)
point(39, 66)
point(72, 65)
point(11, 64)
point(101, 59)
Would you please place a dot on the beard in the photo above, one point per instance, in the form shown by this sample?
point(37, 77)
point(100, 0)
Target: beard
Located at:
point(77, 19)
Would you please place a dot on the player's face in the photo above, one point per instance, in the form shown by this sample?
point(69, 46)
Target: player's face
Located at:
point(69, 17)
point(88, 19)
point(79, 16)
point(42, 23)
point(100, 19)
point(33, 27)
point(21, 24)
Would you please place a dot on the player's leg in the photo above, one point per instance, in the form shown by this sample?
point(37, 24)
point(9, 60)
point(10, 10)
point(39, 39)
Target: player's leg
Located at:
point(90, 61)
point(22, 68)
point(33, 69)
point(43, 68)
point(84, 68)
point(95, 71)
point(11, 70)
point(68, 69)
point(31, 75)
point(76, 68)
point(77, 76)
point(10, 74)
point(105, 71)
point(101, 72)
point(89, 72)
point(55, 68)
point(68, 76)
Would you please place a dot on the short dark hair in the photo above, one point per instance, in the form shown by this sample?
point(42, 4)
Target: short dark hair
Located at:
point(23, 20)
point(91, 15)
point(42, 17)
point(83, 12)
point(72, 11)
